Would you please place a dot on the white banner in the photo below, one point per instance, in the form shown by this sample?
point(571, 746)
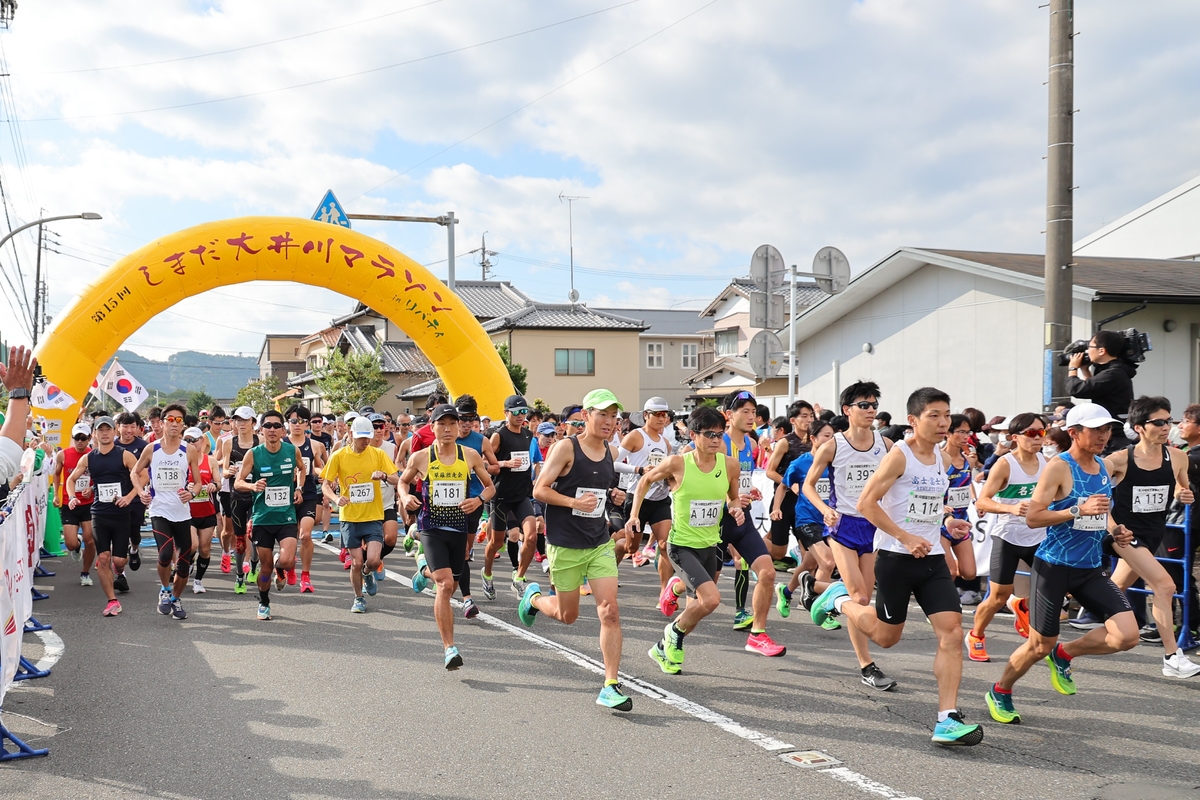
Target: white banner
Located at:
point(123, 387)
point(21, 535)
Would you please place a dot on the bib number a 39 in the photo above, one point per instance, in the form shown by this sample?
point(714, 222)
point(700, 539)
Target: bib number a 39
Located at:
point(448, 493)
point(958, 496)
point(361, 493)
point(857, 476)
point(924, 508)
point(597, 511)
point(1149, 499)
point(108, 492)
point(704, 513)
point(278, 496)
point(522, 459)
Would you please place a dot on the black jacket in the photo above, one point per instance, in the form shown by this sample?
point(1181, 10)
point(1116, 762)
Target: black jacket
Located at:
point(1111, 385)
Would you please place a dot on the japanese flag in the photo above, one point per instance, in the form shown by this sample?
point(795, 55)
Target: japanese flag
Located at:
point(123, 387)
point(47, 395)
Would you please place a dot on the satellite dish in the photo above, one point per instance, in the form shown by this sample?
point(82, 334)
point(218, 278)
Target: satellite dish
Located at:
point(766, 354)
point(573, 296)
point(831, 269)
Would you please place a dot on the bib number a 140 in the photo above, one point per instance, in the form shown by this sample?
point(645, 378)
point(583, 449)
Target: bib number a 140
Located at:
point(704, 513)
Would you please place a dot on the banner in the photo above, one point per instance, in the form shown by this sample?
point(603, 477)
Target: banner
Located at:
point(21, 534)
point(123, 387)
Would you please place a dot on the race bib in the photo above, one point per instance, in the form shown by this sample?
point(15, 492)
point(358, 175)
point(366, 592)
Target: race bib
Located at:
point(857, 476)
point(278, 496)
point(654, 459)
point(958, 496)
point(362, 492)
point(823, 489)
point(704, 513)
point(1148, 499)
point(448, 493)
point(82, 484)
point(624, 481)
point(168, 479)
point(108, 492)
point(924, 508)
point(202, 496)
point(522, 459)
point(745, 485)
point(307, 466)
point(1093, 522)
point(598, 511)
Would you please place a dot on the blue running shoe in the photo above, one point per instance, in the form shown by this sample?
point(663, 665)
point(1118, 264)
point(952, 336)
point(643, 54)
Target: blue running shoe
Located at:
point(742, 619)
point(369, 584)
point(419, 581)
point(264, 612)
point(453, 659)
point(953, 732)
point(614, 697)
point(1060, 673)
point(164, 603)
point(177, 610)
point(526, 610)
point(359, 607)
point(822, 607)
point(381, 573)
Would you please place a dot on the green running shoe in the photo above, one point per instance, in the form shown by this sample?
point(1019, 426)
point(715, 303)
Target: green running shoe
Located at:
point(822, 607)
point(1060, 673)
point(252, 577)
point(783, 603)
point(1000, 706)
point(409, 541)
point(831, 624)
point(954, 732)
point(659, 654)
point(419, 581)
point(672, 644)
point(526, 610)
point(615, 698)
point(742, 619)
point(239, 586)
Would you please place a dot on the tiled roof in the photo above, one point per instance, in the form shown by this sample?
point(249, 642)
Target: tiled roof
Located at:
point(423, 389)
point(669, 322)
point(329, 337)
point(564, 316)
point(807, 294)
point(490, 299)
point(396, 356)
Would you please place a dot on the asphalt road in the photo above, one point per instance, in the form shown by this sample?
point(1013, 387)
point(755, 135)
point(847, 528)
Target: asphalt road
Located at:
point(320, 703)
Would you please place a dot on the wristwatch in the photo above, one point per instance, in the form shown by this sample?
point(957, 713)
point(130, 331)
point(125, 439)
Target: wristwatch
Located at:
point(19, 393)
point(1075, 512)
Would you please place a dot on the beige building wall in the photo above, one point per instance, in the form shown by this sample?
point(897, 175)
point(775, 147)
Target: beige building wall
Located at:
point(666, 382)
point(617, 354)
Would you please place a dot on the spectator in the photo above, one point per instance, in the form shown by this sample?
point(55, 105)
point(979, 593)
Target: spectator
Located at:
point(883, 420)
point(1108, 380)
point(18, 380)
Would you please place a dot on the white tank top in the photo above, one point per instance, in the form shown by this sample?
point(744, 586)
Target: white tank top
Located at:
point(650, 455)
point(916, 502)
point(851, 469)
point(1010, 527)
point(168, 474)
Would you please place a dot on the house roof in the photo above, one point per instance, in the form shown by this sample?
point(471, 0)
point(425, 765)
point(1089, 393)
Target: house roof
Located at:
point(806, 294)
point(420, 390)
point(395, 356)
point(664, 321)
point(490, 299)
point(329, 336)
point(738, 364)
point(564, 316)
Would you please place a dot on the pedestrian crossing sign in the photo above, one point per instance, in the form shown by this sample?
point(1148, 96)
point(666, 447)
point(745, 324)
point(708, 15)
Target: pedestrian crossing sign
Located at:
point(331, 211)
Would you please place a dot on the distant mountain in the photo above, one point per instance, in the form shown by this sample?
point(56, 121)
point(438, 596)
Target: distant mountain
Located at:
point(220, 376)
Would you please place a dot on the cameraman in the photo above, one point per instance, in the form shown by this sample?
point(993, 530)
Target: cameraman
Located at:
point(1111, 385)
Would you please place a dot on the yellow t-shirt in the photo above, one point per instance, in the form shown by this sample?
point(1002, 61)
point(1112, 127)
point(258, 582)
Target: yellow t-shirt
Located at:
point(353, 471)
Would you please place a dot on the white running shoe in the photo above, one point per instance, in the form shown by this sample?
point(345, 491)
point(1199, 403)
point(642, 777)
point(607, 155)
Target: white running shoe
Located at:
point(198, 587)
point(85, 580)
point(1178, 665)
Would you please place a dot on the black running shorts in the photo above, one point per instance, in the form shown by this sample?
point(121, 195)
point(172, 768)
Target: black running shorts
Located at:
point(203, 523)
point(268, 535)
point(75, 516)
point(744, 538)
point(900, 576)
point(509, 514)
point(307, 508)
point(445, 550)
point(1049, 585)
point(1005, 559)
point(110, 532)
point(694, 566)
point(810, 534)
point(780, 528)
point(1150, 540)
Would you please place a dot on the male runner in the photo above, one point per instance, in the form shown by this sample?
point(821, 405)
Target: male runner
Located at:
point(129, 425)
point(219, 431)
point(109, 467)
point(1146, 478)
point(202, 507)
point(274, 474)
point(241, 503)
point(468, 418)
point(1071, 500)
point(645, 448)
point(312, 458)
point(161, 478)
point(319, 433)
point(854, 456)
point(74, 500)
point(1006, 494)
point(905, 499)
point(391, 516)
point(574, 482)
point(512, 509)
point(154, 417)
point(358, 469)
point(445, 509)
point(796, 443)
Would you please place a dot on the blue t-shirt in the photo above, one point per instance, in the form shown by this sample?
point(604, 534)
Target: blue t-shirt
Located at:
point(473, 440)
point(797, 473)
point(1077, 543)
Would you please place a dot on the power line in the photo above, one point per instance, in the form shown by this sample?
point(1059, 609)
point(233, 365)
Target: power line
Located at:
point(612, 273)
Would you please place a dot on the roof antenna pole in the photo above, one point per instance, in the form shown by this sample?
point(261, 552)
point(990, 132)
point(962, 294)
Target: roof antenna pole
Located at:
point(573, 296)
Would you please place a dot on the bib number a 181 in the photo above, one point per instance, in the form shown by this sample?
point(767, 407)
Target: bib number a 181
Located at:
point(448, 493)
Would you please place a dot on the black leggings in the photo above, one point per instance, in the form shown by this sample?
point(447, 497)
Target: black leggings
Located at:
point(174, 541)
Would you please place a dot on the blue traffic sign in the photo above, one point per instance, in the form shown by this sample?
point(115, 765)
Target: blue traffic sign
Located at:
point(331, 211)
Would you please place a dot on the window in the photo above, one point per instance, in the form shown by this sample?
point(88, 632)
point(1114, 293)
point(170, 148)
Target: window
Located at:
point(654, 355)
point(690, 356)
point(574, 362)
point(727, 343)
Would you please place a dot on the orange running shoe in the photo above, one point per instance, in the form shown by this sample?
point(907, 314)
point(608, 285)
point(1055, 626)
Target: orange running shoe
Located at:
point(976, 648)
point(1019, 606)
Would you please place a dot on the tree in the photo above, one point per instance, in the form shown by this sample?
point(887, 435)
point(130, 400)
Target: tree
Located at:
point(200, 401)
point(516, 373)
point(259, 394)
point(541, 405)
point(709, 402)
point(351, 381)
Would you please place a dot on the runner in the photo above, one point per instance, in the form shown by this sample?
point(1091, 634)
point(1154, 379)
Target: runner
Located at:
point(468, 419)
point(445, 509)
point(512, 509)
point(358, 469)
point(573, 484)
point(154, 418)
point(796, 443)
point(318, 433)
point(854, 456)
point(109, 467)
point(905, 499)
point(161, 478)
point(1146, 478)
point(645, 448)
point(128, 427)
point(312, 458)
point(241, 503)
point(960, 553)
point(1005, 495)
point(202, 507)
point(274, 475)
point(1072, 500)
point(74, 500)
point(391, 517)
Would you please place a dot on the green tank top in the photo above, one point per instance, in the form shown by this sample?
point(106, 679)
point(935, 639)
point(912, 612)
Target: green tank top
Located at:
point(698, 504)
point(274, 506)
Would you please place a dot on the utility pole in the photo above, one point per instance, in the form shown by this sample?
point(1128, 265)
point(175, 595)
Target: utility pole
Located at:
point(1059, 270)
point(485, 262)
point(38, 298)
point(574, 295)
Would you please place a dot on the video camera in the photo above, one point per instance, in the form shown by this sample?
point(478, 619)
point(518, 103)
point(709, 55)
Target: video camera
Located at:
point(1137, 344)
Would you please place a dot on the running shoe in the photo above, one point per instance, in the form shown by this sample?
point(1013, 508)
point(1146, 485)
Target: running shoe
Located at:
point(672, 643)
point(831, 624)
point(164, 604)
point(343, 555)
point(639, 560)
point(419, 581)
point(306, 586)
point(114, 607)
point(650, 551)
point(1149, 634)
point(1060, 673)
point(245, 567)
point(873, 676)
point(614, 697)
point(970, 597)
point(359, 606)
point(742, 619)
point(198, 587)
point(409, 543)
point(489, 588)
point(239, 585)
point(1000, 706)
point(585, 590)
point(328, 538)
point(976, 647)
point(1178, 665)
point(668, 601)
point(807, 589)
point(264, 612)
point(291, 577)
point(526, 610)
point(1019, 607)
point(381, 573)
point(660, 657)
point(519, 584)
point(348, 563)
point(761, 643)
point(120, 582)
point(470, 610)
point(226, 563)
point(77, 553)
point(280, 581)
point(783, 603)
point(1085, 621)
point(453, 659)
point(177, 611)
point(539, 557)
point(368, 579)
point(252, 575)
point(953, 732)
point(546, 567)
point(135, 559)
point(822, 607)
point(85, 580)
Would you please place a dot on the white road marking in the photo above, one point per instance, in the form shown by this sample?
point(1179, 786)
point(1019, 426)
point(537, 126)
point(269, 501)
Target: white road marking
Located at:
point(865, 784)
point(54, 649)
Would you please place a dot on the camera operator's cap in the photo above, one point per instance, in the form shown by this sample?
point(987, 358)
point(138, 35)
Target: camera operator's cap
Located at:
point(194, 433)
point(104, 419)
point(444, 410)
point(547, 429)
point(1089, 415)
point(81, 429)
point(601, 398)
point(362, 428)
point(514, 401)
point(656, 404)
point(244, 412)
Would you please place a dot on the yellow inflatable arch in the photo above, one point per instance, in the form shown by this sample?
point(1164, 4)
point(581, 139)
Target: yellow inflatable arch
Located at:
point(88, 332)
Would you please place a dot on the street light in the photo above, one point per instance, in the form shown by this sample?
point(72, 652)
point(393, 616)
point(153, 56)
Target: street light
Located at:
point(37, 279)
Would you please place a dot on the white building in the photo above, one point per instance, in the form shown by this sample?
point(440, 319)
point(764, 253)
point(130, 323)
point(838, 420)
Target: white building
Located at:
point(1166, 227)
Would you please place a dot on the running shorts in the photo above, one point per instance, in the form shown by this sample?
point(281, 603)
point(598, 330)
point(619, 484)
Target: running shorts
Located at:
point(445, 550)
point(202, 523)
point(1049, 585)
point(652, 511)
point(744, 538)
point(854, 533)
point(307, 508)
point(1151, 540)
point(900, 576)
point(570, 567)
point(539, 509)
point(810, 534)
point(1005, 557)
point(110, 532)
point(390, 515)
point(225, 499)
point(240, 513)
point(137, 518)
point(695, 566)
point(269, 535)
point(172, 538)
point(781, 528)
point(616, 518)
point(358, 534)
point(76, 516)
point(509, 514)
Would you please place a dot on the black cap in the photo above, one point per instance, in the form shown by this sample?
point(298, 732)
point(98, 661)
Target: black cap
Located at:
point(367, 410)
point(515, 401)
point(444, 410)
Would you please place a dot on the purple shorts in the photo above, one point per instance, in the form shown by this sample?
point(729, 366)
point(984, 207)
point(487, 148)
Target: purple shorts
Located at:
point(854, 533)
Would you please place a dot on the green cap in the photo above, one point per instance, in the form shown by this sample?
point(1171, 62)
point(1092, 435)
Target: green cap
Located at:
point(601, 398)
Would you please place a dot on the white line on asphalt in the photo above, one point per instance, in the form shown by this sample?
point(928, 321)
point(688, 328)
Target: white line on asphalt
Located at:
point(54, 649)
point(866, 784)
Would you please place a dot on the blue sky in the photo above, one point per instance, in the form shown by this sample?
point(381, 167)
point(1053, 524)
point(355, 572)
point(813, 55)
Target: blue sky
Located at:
point(696, 130)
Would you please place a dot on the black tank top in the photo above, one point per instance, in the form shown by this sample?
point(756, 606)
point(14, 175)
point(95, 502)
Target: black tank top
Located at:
point(108, 470)
point(310, 491)
point(566, 527)
point(136, 447)
point(1140, 502)
point(236, 455)
point(514, 484)
point(796, 447)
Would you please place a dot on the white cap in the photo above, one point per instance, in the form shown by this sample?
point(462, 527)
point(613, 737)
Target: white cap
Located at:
point(656, 404)
point(81, 428)
point(351, 416)
point(1088, 415)
point(362, 428)
point(244, 412)
point(194, 433)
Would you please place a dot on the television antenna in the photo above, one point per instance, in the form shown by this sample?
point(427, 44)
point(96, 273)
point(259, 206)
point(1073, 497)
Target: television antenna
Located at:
point(573, 296)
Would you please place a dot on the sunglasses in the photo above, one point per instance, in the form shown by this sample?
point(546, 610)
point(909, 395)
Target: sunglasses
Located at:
point(172, 418)
point(296, 421)
point(712, 436)
point(190, 441)
point(866, 405)
point(517, 412)
point(378, 425)
point(80, 438)
point(1034, 433)
point(656, 413)
point(576, 423)
point(1159, 423)
point(272, 425)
